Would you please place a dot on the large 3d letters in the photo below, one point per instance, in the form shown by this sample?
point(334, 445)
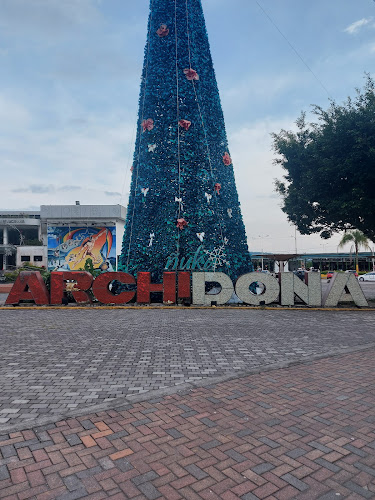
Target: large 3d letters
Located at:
point(60, 283)
point(28, 286)
point(145, 287)
point(100, 288)
point(270, 294)
point(344, 287)
point(199, 288)
point(310, 292)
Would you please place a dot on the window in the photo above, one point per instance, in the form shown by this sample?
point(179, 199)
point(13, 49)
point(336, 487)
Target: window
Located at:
point(38, 258)
point(25, 258)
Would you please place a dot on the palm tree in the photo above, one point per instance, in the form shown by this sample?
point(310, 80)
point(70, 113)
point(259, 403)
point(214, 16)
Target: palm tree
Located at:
point(358, 240)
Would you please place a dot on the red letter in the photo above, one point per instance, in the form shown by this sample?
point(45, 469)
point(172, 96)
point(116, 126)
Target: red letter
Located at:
point(29, 286)
point(101, 291)
point(169, 288)
point(145, 287)
point(184, 285)
point(79, 289)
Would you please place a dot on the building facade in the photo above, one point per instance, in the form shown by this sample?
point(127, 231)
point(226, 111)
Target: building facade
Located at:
point(321, 261)
point(20, 230)
point(62, 237)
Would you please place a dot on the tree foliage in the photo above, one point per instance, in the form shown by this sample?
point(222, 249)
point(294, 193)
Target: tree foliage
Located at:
point(358, 240)
point(329, 185)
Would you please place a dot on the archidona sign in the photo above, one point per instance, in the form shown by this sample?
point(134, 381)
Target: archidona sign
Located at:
point(187, 288)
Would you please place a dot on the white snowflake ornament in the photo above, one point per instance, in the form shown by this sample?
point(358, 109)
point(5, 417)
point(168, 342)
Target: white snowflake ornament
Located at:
point(217, 257)
point(152, 237)
point(179, 200)
point(208, 196)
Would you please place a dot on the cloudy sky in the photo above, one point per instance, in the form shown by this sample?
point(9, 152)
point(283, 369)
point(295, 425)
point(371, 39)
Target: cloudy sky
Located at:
point(69, 83)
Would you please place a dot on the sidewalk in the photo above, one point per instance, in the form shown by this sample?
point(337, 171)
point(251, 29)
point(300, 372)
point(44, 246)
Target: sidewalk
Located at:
point(303, 432)
point(55, 364)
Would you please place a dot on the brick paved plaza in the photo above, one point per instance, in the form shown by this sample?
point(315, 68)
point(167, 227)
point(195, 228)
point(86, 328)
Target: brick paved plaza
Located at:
point(187, 404)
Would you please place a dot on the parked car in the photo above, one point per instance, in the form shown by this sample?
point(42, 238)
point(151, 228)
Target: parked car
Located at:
point(367, 277)
point(352, 271)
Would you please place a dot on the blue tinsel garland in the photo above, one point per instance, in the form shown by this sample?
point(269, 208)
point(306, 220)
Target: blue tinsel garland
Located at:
point(151, 233)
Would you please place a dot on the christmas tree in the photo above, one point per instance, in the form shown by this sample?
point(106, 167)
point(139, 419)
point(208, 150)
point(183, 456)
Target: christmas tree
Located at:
point(183, 211)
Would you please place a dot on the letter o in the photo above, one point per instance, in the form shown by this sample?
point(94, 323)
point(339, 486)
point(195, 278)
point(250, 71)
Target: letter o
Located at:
point(270, 294)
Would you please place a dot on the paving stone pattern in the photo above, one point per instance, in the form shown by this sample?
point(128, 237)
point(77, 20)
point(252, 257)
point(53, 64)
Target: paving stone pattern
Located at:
point(57, 361)
point(304, 432)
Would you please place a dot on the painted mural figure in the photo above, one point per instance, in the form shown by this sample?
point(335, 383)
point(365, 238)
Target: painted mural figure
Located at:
point(87, 250)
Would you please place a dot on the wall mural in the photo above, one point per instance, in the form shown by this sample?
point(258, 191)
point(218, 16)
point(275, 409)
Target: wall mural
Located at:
point(73, 248)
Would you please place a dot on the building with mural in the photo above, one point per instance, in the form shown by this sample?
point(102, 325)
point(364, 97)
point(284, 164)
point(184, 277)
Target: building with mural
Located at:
point(62, 237)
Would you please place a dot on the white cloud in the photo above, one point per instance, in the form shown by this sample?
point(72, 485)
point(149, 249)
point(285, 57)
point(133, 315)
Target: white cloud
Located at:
point(48, 166)
point(267, 226)
point(357, 25)
point(50, 18)
point(13, 115)
point(260, 86)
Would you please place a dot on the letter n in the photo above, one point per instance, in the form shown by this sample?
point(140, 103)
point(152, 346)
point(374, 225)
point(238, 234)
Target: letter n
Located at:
point(310, 293)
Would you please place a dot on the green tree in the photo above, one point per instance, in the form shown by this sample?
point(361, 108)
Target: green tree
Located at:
point(358, 240)
point(89, 268)
point(329, 185)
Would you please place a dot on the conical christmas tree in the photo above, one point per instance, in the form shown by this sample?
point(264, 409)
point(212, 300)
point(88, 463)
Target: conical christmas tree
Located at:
point(183, 211)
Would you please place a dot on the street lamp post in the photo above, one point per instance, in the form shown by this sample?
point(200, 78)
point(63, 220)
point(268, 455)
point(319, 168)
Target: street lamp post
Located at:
point(261, 237)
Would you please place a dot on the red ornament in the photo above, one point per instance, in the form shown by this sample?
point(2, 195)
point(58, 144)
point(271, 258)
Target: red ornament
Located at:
point(148, 124)
point(191, 74)
point(163, 31)
point(227, 159)
point(132, 168)
point(181, 223)
point(185, 124)
point(217, 187)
